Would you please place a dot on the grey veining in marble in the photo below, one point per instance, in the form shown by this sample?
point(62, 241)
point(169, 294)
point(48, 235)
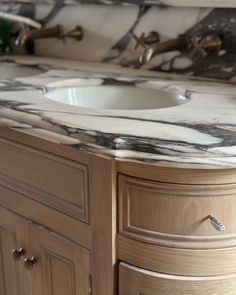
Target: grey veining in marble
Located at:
point(107, 39)
point(163, 3)
point(198, 134)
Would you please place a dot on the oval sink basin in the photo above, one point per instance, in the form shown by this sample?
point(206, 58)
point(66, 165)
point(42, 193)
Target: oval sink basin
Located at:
point(115, 97)
point(12, 70)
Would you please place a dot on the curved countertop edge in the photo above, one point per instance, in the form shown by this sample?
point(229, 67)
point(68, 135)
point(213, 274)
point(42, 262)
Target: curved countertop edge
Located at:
point(58, 126)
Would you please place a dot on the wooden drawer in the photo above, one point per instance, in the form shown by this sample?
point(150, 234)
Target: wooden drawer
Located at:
point(137, 281)
point(176, 260)
point(55, 181)
point(156, 211)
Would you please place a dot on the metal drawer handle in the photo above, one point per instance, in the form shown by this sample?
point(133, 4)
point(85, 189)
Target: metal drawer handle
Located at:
point(217, 224)
point(17, 253)
point(30, 262)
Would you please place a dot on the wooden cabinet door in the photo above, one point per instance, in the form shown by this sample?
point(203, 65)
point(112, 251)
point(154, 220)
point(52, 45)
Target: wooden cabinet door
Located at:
point(61, 267)
point(12, 236)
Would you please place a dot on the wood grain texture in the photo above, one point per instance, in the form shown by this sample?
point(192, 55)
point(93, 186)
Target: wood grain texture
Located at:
point(12, 236)
point(177, 175)
point(41, 144)
point(177, 261)
point(103, 223)
point(157, 211)
point(62, 266)
point(99, 235)
point(52, 180)
point(136, 281)
point(182, 195)
point(65, 225)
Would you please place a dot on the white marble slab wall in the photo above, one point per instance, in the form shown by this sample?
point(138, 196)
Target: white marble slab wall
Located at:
point(110, 30)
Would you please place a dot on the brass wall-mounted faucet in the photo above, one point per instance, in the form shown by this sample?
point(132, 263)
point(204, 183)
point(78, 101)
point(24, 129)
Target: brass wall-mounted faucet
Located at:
point(55, 32)
point(210, 44)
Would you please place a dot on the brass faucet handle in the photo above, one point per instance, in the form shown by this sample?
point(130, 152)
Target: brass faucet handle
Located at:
point(212, 44)
point(208, 45)
point(139, 41)
point(144, 41)
point(197, 47)
point(77, 33)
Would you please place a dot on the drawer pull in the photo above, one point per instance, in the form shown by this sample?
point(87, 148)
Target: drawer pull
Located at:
point(17, 253)
point(217, 224)
point(30, 262)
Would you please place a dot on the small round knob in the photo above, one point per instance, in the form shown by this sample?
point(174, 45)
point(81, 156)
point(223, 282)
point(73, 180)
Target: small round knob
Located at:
point(17, 253)
point(29, 262)
point(217, 224)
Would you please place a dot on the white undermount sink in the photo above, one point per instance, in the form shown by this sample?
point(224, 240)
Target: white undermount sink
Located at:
point(12, 70)
point(115, 97)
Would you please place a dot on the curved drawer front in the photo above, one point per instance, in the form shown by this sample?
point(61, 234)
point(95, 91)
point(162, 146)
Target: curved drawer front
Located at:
point(186, 262)
point(137, 281)
point(153, 211)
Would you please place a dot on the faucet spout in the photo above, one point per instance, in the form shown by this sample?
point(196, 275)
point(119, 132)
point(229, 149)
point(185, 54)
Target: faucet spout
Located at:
point(26, 35)
point(55, 32)
point(180, 43)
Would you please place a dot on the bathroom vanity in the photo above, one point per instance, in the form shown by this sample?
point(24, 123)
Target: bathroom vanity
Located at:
point(74, 223)
point(84, 210)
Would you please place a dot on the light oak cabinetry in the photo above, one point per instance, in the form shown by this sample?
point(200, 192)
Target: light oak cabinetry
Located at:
point(81, 224)
point(37, 261)
point(155, 210)
point(55, 206)
point(136, 281)
point(52, 180)
point(61, 267)
point(177, 231)
point(11, 236)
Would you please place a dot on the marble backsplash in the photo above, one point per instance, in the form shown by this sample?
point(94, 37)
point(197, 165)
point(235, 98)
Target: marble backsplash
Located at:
point(110, 33)
point(176, 3)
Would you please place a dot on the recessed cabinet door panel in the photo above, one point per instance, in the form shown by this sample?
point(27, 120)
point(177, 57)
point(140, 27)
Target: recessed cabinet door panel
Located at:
point(11, 237)
point(57, 182)
point(61, 267)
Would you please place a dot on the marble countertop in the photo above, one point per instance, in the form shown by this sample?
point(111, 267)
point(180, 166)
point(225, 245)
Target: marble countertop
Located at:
point(198, 134)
